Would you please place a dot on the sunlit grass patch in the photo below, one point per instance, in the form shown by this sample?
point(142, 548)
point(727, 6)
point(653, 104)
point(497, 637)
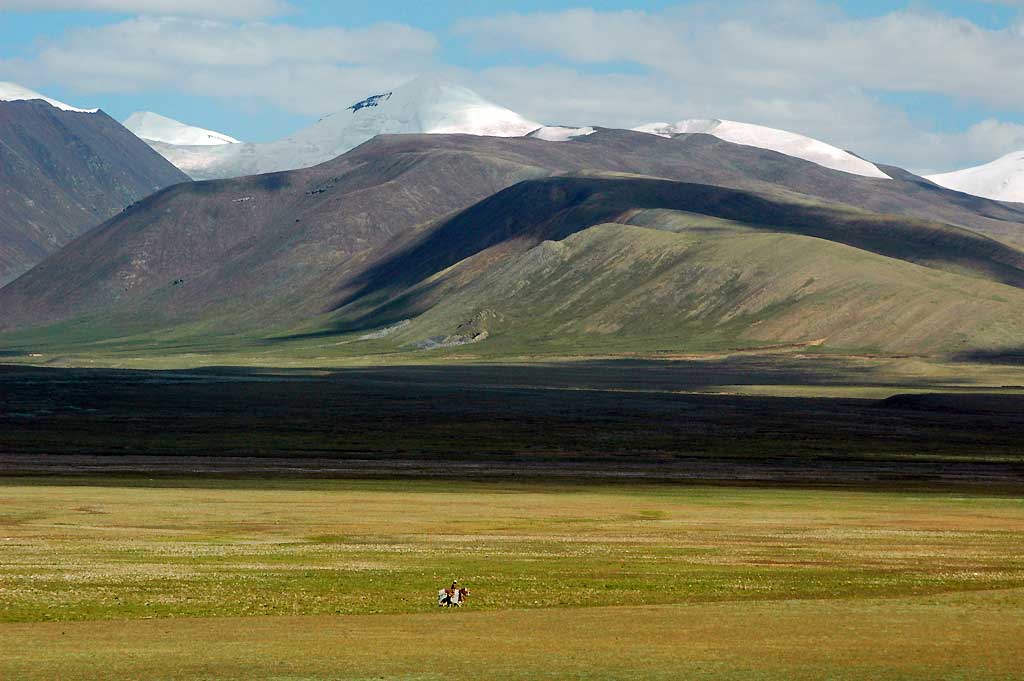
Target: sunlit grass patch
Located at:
point(707, 582)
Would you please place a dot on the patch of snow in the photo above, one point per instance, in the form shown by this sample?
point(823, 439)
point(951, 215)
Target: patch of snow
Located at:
point(559, 133)
point(153, 127)
point(788, 143)
point(424, 105)
point(12, 92)
point(1002, 179)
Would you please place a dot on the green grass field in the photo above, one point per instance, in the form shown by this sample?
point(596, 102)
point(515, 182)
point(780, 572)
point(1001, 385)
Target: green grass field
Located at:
point(301, 579)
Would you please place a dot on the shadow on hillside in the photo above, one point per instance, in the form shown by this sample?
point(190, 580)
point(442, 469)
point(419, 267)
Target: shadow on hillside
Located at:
point(1009, 356)
point(370, 317)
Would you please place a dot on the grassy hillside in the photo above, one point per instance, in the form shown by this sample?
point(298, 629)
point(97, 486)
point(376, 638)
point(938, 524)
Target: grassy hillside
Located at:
point(615, 287)
point(529, 271)
point(687, 282)
point(554, 208)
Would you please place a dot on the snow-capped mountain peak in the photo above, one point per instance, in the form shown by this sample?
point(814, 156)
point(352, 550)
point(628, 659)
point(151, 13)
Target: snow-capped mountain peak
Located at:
point(433, 105)
point(1002, 179)
point(424, 105)
point(12, 92)
point(762, 137)
point(156, 128)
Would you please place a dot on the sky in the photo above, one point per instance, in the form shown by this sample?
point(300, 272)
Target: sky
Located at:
point(926, 85)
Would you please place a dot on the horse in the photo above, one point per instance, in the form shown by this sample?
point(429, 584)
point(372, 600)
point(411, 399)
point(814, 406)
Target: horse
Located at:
point(447, 598)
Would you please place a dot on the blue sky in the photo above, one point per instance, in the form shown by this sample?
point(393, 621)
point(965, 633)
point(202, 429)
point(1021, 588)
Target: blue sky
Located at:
point(927, 85)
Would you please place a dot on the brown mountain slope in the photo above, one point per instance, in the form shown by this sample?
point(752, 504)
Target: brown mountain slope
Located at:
point(63, 172)
point(907, 194)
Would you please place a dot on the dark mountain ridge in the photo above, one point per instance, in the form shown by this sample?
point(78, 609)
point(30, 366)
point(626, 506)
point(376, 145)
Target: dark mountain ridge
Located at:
point(64, 172)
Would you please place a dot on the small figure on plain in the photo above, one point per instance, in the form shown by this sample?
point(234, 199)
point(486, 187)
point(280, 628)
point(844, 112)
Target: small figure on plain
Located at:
point(452, 596)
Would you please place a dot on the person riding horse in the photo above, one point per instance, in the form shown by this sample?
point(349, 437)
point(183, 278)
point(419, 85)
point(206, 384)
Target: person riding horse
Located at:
point(452, 596)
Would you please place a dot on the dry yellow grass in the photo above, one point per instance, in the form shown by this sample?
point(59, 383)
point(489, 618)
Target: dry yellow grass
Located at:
point(960, 636)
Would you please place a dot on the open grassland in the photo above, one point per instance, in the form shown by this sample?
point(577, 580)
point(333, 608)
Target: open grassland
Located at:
point(326, 579)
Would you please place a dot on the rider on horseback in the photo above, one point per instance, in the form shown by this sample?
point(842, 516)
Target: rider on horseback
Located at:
point(453, 595)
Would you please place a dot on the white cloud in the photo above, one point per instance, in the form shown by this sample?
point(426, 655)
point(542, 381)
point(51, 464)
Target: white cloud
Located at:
point(204, 43)
point(794, 64)
point(303, 70)
point(785, 44)
point(232, 9)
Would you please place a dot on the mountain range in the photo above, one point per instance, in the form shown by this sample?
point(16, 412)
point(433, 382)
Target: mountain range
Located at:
point(64, 170)
point(488, 230)
point(434, 105)
point(608, 242)
point(424, 105)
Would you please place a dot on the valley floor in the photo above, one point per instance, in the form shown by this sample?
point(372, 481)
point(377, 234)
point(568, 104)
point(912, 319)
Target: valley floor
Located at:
point(199, 578)
point(865, 521)
point(958, 636)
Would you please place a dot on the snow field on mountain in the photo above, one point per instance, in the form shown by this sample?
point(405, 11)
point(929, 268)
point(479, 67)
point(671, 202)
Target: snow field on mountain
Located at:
point(12, 92)
point(156, 128)
point(771, 139)
point(1002, 179)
